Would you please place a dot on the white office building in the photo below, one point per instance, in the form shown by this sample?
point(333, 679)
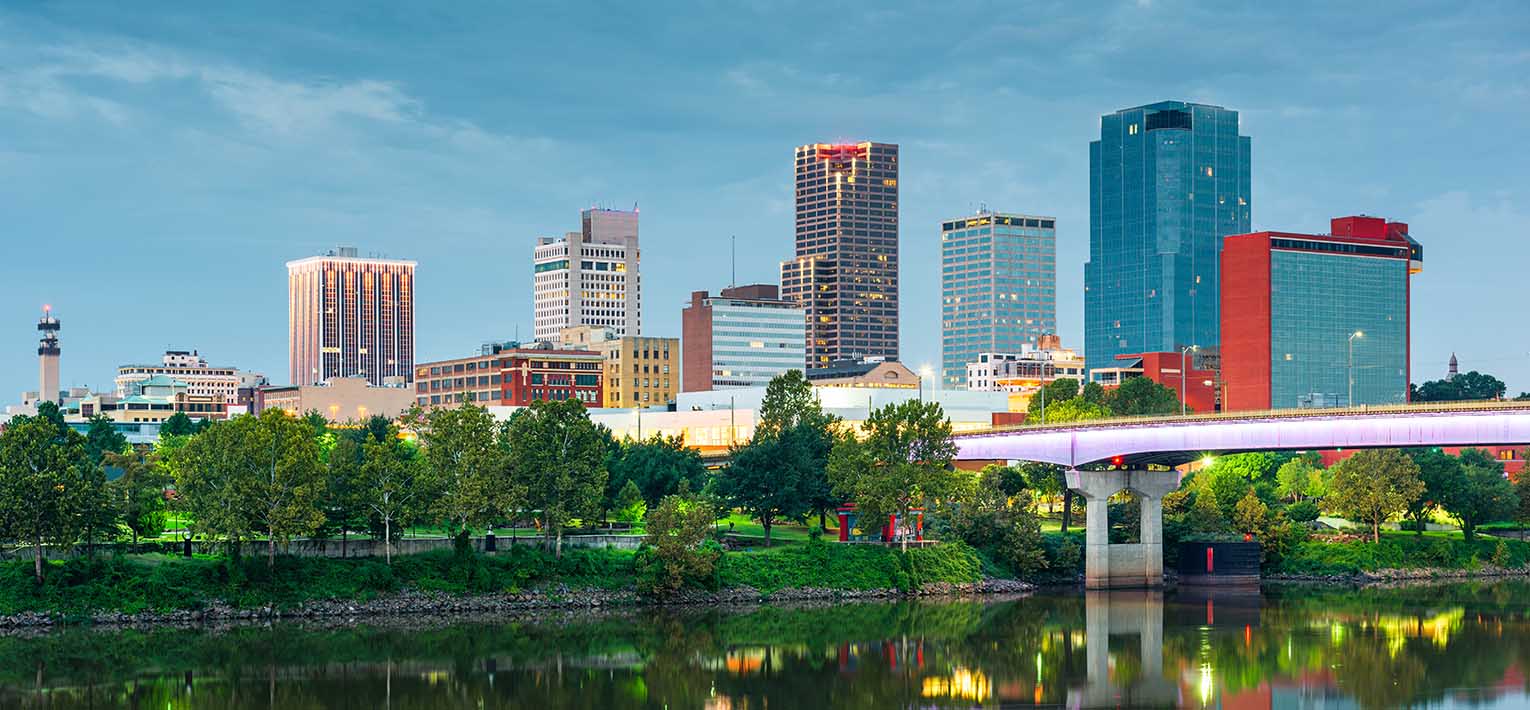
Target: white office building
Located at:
point(590, 277)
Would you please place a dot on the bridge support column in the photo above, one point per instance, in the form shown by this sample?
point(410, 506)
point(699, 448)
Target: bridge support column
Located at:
point(1108, 566)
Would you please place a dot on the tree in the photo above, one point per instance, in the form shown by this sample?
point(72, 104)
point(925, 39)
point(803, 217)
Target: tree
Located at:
point(1485, 496)
point(1206, 515)
point(789, 401)
point(1077, 409)
point(768, 480)
point(1251, 516)
point(791, 411)
point(1140, 396)
point(102, 438)
point(1049, 480)
point(904, 461)
point(468, 466)
point(677, 529)
point(628, 505)
point(558, 460)
point(1463, 387)
point(1442, 477)
point(995, 517)
point(49, 491)
point(657, 465)
point(391, 484)
point(178, 424)
point(1373, 486)
point(138, 495)
point(343, 504)
point(1094, 393)
point(1058, 390)
point(1297, 480)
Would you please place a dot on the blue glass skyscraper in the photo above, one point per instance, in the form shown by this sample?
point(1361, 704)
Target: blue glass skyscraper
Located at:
point(1167, 182)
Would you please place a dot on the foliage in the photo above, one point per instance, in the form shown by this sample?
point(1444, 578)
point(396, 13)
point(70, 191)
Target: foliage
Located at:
point(1442, 477)
point(1373, 486)
point(102, 438)
point(1140, 396)
point(658, 465)
point(770, 479)
point(392, 485)
point(791, 412)
point(629, 506)
point(1303, 512)
point(1399, 550)
point(1297, 480)
point(558, 464)
point(468, 466)
point(679, 552)
point(49, 490)
point(1206, 514)
point(138, 495)
point(344, 509)
point(1484, 495)
point(1466, 386)
point(821, 565)
point(903, 462)
point(178, 424)
point(999, 520)
point(1059, 390)
point(1251, 516)
point(1076, 409)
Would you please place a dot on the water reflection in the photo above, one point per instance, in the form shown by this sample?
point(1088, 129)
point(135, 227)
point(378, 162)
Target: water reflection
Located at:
point(1288, 647)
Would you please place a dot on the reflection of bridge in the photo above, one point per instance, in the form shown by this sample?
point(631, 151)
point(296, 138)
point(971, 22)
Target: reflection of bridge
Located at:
point(1127, 448)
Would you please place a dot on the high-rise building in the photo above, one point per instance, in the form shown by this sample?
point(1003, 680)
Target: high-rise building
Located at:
point(742, 337)
point(1318, 320)
point(47, 358)
point(640, 371)
point(998, 283)
point(350, 316)
point(845, 274)
point(1167, 182)
point(192, 369)
point(590, 277)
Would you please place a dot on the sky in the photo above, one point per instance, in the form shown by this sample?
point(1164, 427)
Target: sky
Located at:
point(159, 162)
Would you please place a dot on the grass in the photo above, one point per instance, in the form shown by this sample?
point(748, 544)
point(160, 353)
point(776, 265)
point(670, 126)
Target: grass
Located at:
point(743, 525)
point(1436, 549)
point(826, 565)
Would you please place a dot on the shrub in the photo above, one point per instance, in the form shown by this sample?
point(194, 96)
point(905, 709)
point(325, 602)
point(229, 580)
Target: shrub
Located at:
point(677, 529)
point(1302, 512)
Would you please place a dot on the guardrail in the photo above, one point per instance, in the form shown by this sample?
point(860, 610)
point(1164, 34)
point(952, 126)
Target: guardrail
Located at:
point(1256, 415)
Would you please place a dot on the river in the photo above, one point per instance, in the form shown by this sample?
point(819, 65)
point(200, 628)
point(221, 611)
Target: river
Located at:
point(1454, 645)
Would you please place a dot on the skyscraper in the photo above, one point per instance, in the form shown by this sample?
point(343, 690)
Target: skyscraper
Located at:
point(350, 316)
point(998, 283)
point(1318, 320)
point(845, 274)
point(1167, 182)
point(590, 277)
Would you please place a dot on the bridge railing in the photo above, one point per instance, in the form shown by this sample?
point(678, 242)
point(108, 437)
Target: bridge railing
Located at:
point(1244, 415)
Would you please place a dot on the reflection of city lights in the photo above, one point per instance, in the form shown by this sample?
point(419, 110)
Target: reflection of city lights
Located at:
point(1206, 683)
point(962, 683)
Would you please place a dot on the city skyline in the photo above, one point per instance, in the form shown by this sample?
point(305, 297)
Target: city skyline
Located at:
point(297, 149)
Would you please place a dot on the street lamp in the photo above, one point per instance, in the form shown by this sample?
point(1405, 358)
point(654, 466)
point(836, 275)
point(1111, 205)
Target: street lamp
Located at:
point(1182, 373)
point(1357, 334)
point(924, 371)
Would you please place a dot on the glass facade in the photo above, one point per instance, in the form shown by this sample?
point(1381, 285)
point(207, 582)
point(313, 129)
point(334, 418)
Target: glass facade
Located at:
point(1317, 301)
point(752, 343)
point(1167, 182)
point(998, 279)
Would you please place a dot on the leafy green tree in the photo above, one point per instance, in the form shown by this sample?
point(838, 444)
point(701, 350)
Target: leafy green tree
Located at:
point(468, 467)
point(344, 508)
point(1467, 386)
point(1050, 481)
point(178, 424)
point(49, 491)
point(679, 555)
point(558, 460)
point(769, 480)
point(102, 438)
point(1094, 393)
point(1297, 480)
point(317, 424)
point(1206, 515)
point(1058, 390)
point(789, 401)
point(1077, 409)
point(657, 465)
point(1485, 496)
point(629, 506)
point(1251, 516)
point(791, 411)
point(1373, 486)
point(995, 517)
point(393, 485)
point(1442, 476)
point(1140, 396)
point(138, 495)
point(904, 461)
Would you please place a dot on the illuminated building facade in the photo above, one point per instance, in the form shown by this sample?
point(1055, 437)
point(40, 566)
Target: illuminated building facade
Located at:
point(509, 374)
point(191, 368)
point(743, 337)
point(1166, 182)
point(350, 316)
point(1318, 316)
point(845, 273)
point(589, 277)
point(998, 282)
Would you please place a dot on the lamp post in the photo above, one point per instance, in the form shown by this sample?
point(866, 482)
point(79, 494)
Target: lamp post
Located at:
point(1357, 334)
point(924, 371)
point(1182, 372)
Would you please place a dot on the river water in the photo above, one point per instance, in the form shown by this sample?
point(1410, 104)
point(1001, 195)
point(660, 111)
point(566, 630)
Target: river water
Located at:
point(1288, 647)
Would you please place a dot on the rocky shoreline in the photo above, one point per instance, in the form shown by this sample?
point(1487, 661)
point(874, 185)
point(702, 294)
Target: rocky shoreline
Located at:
point(416, 603)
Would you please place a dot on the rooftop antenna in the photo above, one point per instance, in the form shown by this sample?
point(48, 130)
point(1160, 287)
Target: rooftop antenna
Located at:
point(733, 261)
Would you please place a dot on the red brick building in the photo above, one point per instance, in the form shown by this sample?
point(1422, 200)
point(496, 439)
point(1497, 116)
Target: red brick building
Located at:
point(511, 375)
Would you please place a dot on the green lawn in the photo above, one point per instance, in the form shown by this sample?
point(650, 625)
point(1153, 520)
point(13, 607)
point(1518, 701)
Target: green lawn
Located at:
point(744, 526)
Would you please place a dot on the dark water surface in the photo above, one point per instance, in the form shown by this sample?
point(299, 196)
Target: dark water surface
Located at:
point(1290, 647)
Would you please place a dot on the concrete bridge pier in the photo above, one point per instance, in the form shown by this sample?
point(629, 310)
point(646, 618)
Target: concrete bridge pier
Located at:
point(1108, 566)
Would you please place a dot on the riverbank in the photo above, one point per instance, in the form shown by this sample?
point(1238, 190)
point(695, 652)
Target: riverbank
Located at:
point(151, 589)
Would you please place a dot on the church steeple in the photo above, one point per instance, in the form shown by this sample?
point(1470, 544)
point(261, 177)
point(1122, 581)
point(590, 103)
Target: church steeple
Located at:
point(1451, 374)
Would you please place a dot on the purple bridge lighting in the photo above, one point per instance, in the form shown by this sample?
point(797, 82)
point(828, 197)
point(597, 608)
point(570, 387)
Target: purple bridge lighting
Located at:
point(1175, 440)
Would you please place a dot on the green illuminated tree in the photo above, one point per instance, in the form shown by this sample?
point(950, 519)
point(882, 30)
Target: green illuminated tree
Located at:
point(904, 461)
point(49, 490)
point(1373, 486)
point(558, 461)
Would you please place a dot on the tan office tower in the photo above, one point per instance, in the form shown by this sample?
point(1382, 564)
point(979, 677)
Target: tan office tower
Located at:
point(350, 316)
point(845, 274)
point(589, 277)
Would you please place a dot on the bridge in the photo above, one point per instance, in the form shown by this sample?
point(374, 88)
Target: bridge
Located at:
point(1104, 457)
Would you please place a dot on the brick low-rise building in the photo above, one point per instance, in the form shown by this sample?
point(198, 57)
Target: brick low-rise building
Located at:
point(513, 375)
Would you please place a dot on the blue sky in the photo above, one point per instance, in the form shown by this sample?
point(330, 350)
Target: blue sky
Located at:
point(159, 164)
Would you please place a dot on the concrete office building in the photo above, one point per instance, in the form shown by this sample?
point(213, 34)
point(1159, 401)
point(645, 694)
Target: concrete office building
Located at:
point(589, 277)
point(339, 399)
point(350, 316)
point(845, 273)
point(742, 337)
point(191, 368)
point(998, 282)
